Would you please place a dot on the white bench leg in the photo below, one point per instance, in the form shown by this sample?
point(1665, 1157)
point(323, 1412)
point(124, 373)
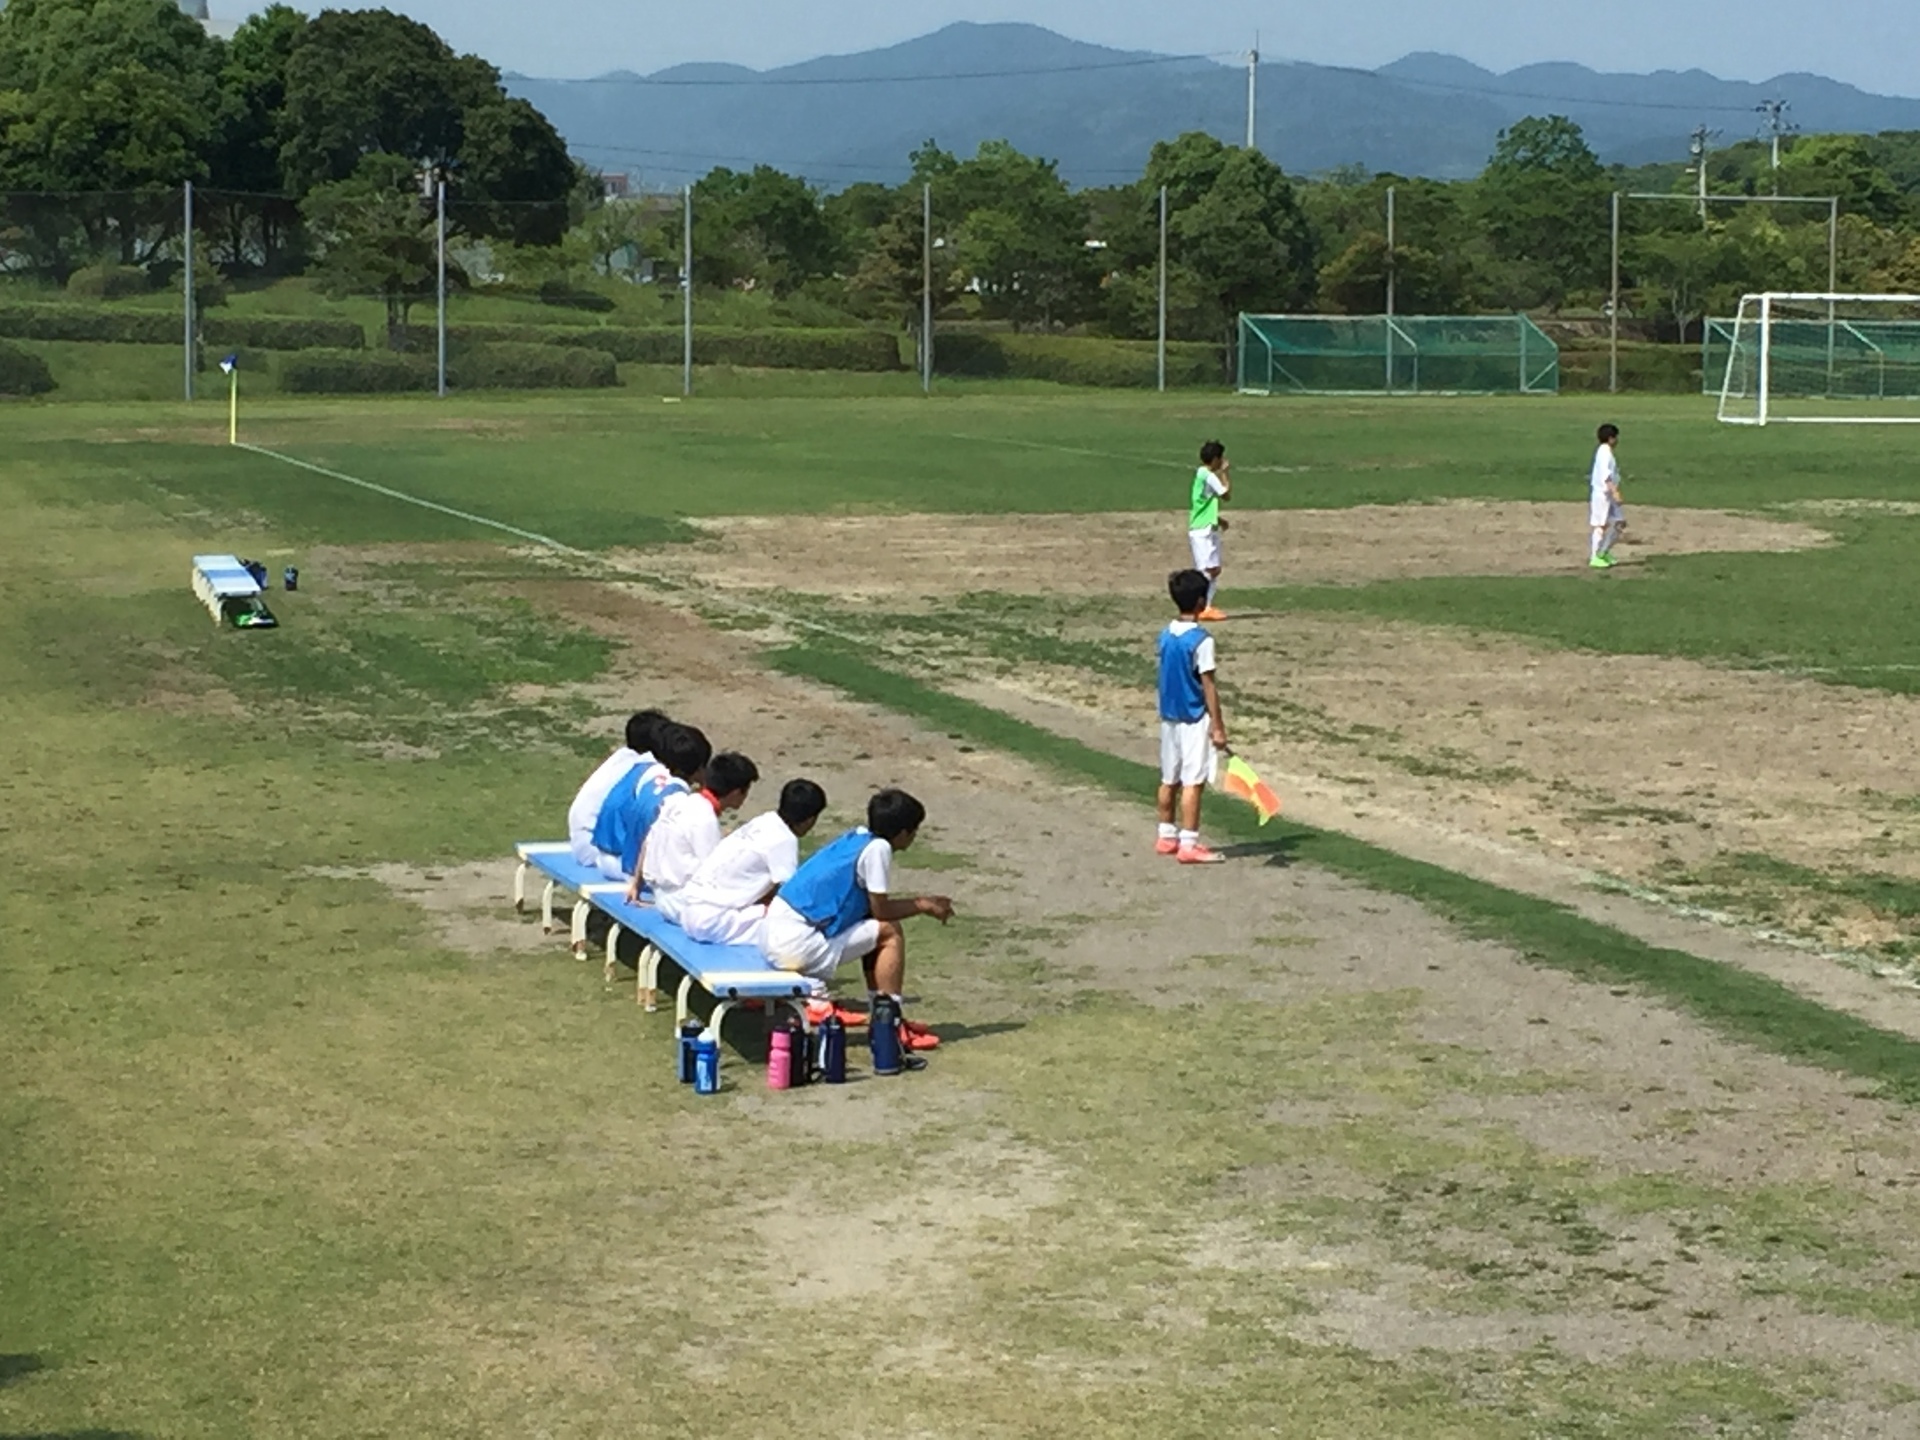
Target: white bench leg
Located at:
point(546, 909)
point(647, 980)
point(520, 888)
point(613, 959)
point(716, 1020)
point(579, 928)
point(680, 1007)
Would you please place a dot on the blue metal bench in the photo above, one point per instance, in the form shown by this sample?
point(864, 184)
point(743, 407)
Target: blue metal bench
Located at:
point(729, 973)
point(554, 860)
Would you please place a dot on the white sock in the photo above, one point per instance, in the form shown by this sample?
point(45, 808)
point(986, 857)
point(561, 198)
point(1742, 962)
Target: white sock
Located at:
point(1169, 832)
point(1594, 544)
point(1189, 838)
point(1606, 543)
point(1213, 584)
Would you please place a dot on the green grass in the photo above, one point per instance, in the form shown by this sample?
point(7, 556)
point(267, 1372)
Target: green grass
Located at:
point(280, 1161)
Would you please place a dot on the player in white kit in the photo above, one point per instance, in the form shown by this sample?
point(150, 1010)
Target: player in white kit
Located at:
point(1605, 518)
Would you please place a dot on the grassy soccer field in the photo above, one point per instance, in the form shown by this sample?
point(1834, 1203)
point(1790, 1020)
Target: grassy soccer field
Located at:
point(1441, 1112)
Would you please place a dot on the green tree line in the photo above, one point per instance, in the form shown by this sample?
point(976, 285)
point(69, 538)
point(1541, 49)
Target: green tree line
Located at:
point(317, 140)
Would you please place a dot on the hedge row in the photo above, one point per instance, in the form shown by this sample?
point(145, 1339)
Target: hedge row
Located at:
point(22, 373)
point(479, 367)
point(1074, 360)
point(160, 327)
point(783, 349)
point(108, 282)
point(1657, 369)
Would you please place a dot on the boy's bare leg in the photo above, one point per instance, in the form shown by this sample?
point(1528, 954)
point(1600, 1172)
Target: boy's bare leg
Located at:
point(1190, 807)
point(1165, 805)
point(886, 967)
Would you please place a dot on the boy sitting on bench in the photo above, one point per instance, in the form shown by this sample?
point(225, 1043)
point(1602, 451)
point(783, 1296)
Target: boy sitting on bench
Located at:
point(682, 753)
point(688, 831)
point(624, 767)
point(725, 903)
point(838, 904)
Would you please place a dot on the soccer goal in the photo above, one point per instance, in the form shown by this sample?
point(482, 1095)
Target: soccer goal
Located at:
point(1396, 355)
point(1818, 359)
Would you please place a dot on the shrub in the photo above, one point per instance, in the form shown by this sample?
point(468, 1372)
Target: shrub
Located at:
point(108, 282)
point(558, 292)
point(274, 333)
point(521, 366)
point(79, 322)
point(1073, 359)
point(23, 373)
point(354, 372)
point(776, 349)
point(1659, 369)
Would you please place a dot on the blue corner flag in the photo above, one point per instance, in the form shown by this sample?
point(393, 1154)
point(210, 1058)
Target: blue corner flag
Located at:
point(230, 364)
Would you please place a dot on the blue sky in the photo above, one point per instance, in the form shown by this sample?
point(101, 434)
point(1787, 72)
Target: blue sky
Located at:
point(1871, 43)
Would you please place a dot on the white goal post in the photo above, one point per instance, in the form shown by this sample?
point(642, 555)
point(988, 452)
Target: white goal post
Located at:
point(1822, 358)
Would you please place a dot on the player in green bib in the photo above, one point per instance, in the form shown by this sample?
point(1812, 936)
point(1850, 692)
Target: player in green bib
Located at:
point(1212, 483)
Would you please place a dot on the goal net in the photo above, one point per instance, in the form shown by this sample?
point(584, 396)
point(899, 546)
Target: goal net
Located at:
point(1396, 355)
point(1817, 359)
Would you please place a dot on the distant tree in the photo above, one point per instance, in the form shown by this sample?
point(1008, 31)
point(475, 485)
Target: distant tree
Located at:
point(117, 96)
point(1684, 272)
point(760, 227)
point(1542, 201)
point(370, 82)
point(252, 225)
point(608, 234)
point(1235, 226)
point(1843, 166)
point(372, 236)
point(1021, 237)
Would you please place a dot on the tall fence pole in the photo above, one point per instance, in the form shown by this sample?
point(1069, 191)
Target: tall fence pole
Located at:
point(440, 318)
point(686, 299)
point(1160, 353)
point(1613, 307)
point(1253, 85)
point(1390, 289)
point(926, 289)
point(186, 281)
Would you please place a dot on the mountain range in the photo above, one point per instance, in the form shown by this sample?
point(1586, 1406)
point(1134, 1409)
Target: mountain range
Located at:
point(1098, 111)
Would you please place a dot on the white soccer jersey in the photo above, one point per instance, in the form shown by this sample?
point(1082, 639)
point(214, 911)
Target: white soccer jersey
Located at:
point(1606, 472)
point(687, 831)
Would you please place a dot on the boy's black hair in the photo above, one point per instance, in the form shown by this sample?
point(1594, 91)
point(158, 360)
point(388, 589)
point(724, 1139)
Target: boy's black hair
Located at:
point(892, 813)
point(1609, 432)
point(1211, 451)
point(642, 726)
point(728, 772)
point(1188, 589)
point(682, 749)
point(801, 801)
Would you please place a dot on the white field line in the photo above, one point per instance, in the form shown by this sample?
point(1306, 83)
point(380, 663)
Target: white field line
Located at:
point(589, 561)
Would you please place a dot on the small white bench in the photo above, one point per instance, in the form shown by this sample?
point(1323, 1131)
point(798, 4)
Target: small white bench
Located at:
point(553, 860)
point(220, 581)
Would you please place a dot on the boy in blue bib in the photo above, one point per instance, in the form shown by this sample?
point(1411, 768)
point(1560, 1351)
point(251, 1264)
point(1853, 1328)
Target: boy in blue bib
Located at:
point(839, 904)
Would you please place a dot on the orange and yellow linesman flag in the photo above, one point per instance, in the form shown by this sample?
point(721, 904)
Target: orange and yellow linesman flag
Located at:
point(1243, 782)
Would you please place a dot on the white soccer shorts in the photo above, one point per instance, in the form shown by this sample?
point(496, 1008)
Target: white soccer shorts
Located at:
point(1602, 512)
point(1186, 752)
point(1206, 548)
point(804, 950)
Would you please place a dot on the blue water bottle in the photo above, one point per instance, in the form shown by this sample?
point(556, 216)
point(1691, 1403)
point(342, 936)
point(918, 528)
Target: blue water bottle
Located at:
point(291, 578)
point(689, 1033)
point(706, 1066)
point(883, 1035)
point(833, 1050)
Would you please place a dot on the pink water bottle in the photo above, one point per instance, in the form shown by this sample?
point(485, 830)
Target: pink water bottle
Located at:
point(779, 1060)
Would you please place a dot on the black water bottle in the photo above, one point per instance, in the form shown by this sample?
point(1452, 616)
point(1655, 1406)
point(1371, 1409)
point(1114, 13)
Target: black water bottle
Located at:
point(883, 1035)
point(801, 1046)
point(690, 1031)
point(833, 1050)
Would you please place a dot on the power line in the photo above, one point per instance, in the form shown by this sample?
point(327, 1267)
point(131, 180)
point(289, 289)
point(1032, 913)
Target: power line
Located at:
point(761, 79)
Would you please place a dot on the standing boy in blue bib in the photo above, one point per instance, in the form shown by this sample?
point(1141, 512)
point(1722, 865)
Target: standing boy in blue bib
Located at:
point(839, 904)
point(1191, 728)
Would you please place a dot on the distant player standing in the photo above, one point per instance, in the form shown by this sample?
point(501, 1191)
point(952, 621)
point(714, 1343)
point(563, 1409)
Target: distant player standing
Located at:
point(1605, 518)
point(1212, 483)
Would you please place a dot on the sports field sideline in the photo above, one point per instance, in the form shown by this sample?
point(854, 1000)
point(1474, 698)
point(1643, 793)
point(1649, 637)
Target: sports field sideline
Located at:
point(1547, 1071)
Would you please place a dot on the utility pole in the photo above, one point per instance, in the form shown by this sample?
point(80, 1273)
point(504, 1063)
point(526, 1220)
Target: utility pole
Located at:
point(1697, 148)
point(1253, 85)
point(1389, 336)
point(1160, 350)
point(926, 289)
point(186, 280)
point(686, 294)
point(440, 247)
point(1774, 122)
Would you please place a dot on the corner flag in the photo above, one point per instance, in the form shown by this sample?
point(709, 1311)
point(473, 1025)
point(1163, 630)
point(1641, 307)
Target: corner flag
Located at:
point(230, 367)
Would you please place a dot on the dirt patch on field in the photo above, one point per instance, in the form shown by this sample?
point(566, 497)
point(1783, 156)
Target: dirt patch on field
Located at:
point(464, 902)
point(944, 555)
